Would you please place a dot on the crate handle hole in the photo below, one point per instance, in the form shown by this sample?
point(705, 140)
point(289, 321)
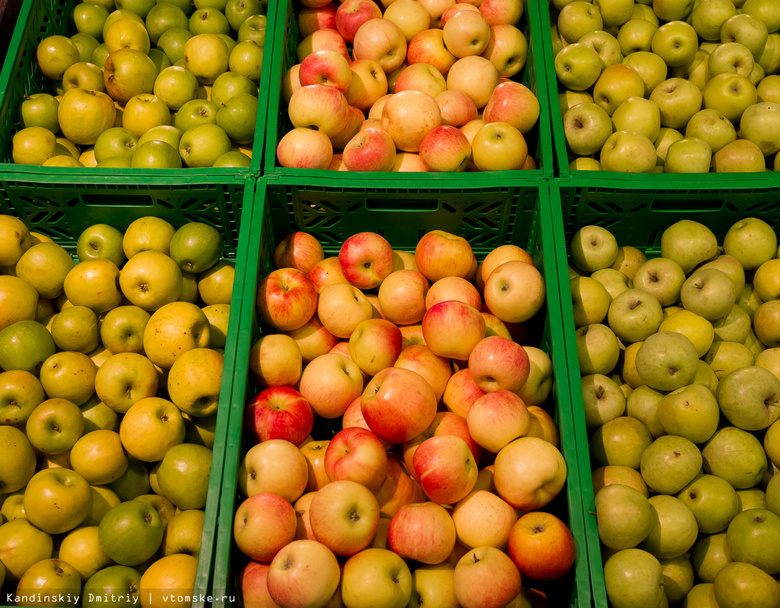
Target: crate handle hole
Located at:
point(402, 204)
point(688, 206)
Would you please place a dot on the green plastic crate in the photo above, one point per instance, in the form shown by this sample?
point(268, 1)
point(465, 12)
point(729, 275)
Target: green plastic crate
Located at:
point(286, 39)
point(64, 215)
point(487, 217)
point(637, 216)
point(21, 76)
point(663, 180)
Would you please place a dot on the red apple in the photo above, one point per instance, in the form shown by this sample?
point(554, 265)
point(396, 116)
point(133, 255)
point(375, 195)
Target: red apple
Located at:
point(514, 291)
point(423, 532)
point(286, 299)
point(461, 392)
point(499, 364)
point(357, 455)
point(428, 47)
point(441, 254)
point(445, 423)
point(453, 288)
point(369, 83)
point(398, 489)
point(542, 546)
point(304, 573)
point(452, 329)
point(298, 250)
point(497, 418)
point(304, 149)
point(370, 150)
point(436, 370)
point(278, 413)
point(375, 345)
point(366, 259)
point(445, 148)
point(254, 587)
point(326, 272)
point(330, 383)
point(485, 577)
point(446, 468)
point(344, 517)
point(327, 68)
point(313, 339)
point(529, 473)
point(513, 103)
point(398, 404)
point(314, 453)
point(457, 108)
point(402, 296)
point(351, 14)
point(311, 19)
point(322, 39)
point(264, 523)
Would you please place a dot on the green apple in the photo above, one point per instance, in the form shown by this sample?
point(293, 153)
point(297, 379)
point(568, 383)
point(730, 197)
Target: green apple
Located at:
point(713, 501)
point(131, 533)
point(69, 375)
point(689, 155)
point(124, 379)
point(97, 415)
point(122, 329)
point(228, 85)
point(605, 44)
point(83, 75)
point(103, 499)
point(55, 54)
point(194, 113)
point(634, 579)
point(710, 554)
point(246, 58)
point(139, 7)
point(39, 110)
point(634, 315)
point(101, 241)
point(44, 267)
point(134, 482)
point(206, 56)
point(200, 146)
point(164, 507)
point(666, 137)
point(590, 301)
point(162, 17)
point(237, 11)
point(678, 100)
point(183, 475)
point(708, 292)
point(764, 10)
point(738, 582)
point(99, 55)
point(627, 151)
point(143, 112)
point(237, 118)
point(749, 398)
point(196, 247)
point(18, 467)
point(33, 146)
point(620, 441)
point(708, 17)
point(676, 42)
point(86, 45)
point(650, 67)
point(642, 404)
point(184, 532)
point(639, 115)
point(577, 19)
point(585, 163)
point(732, 267)
point(752, 498)
point(160, 60)
point(57, 500)
point(760, 125)
point(623, 516)
point(740, 156)
point(690, 412)
point(614, 281)
point(597, 349)
point(578, 67)
point(667, 361)
point(688, 243)
point(253, 28)
point(769, 89)
point(747, 30)
point(753, 536)
point(76, 328)
point(593, 247)
point(725, 357)
point(669, 464)
point(674, 529)
point(695, 327)
point(706, 376)
point(678, 577)
point(25, 345)
point(731, 94)
point(49, 578)
point(587, 127)
point(752, 241)
point(54, 426)
point(636, 35)
point(76, 105)
point(172, 41)
point(167, 133)
point(234, 158)
point(20, 393)
point(147, 233)
point(176, 86)
point(127, 73)
point(730, 58)
point(736, 456)
point(603, 400)
point(768, 359)
point(113, 142)
point(156, 155)
point(208, 21)
point(121, 582)
point(661, 277)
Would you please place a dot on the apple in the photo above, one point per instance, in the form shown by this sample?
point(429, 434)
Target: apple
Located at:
point(423, 531)
point(627, 151)
point(381, 40)
point(366, 259)
point(393, 419)
point(736, 579)
point(305, 148)
point(542, 546)
point(402, 296)
point(428, 47)
point(408, 116)
point(286, 299)
point(274, 466)
point(634, 576)
point(439, 322)
point(264, 524)
point(327, 68)
point(356, 454)
point(524, 485)
point(278, 413)
point(319, 106)
point(344, 516)
point(577, 67)
point(514, 292)
point(311, 19)
point(376, 577)
point(370, 150)
point(330, 383)
point(476, 568)
point(445, 148)
point(445, 468)
point(497, 364)
point(303, 573)
point(576, 19)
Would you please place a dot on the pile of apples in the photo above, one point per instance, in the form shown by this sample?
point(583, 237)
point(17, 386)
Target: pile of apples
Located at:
point(108, 396)
point(147, 85)
point(408, 85)
point(669, 86)
point(680, 356)
point(440, 443)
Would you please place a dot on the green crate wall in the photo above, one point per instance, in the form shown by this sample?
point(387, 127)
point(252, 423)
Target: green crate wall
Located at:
point(286, 39)
point(21, 76)
point(661, 181)
point(638, 216)
point(488, 217)
point(63, 214)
